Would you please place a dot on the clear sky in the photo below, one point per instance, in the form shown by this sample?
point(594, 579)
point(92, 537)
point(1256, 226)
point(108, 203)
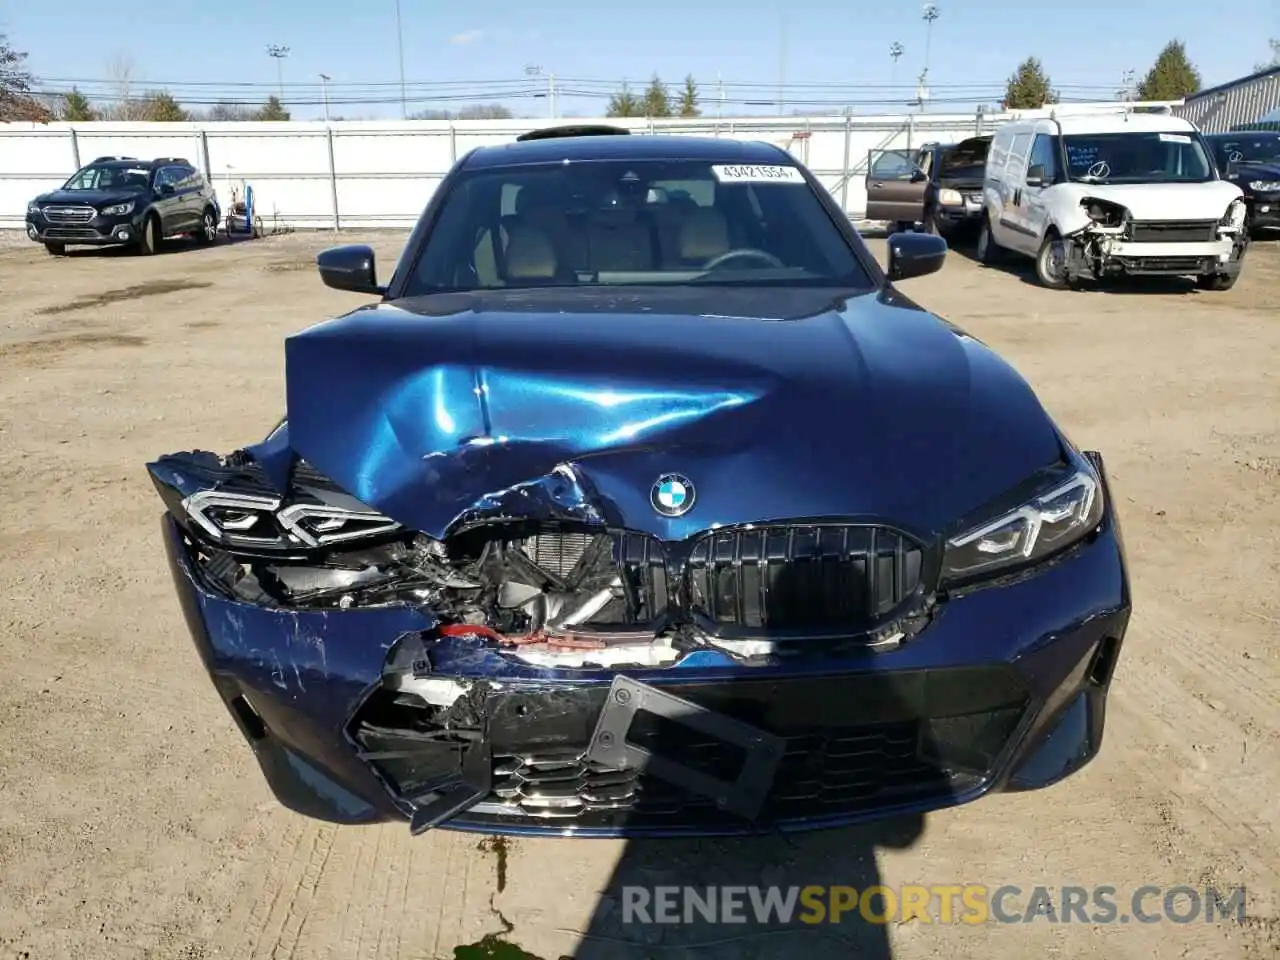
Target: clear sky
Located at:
point(839, 49)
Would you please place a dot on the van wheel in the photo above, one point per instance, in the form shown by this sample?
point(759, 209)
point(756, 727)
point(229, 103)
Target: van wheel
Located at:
point(1217, 281)
point(1051, 263)
point(988, 251)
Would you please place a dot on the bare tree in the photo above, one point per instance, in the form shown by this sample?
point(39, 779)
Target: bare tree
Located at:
point(122, 72)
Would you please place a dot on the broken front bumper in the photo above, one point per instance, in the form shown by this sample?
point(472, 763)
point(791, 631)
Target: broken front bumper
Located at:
point(1005, 689)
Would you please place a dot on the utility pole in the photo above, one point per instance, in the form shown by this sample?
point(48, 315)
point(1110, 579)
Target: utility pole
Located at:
point(278, 53)
point(720, 99)
point(782, 63)
point(534, 70)
point(324, 87)
point(404, 99)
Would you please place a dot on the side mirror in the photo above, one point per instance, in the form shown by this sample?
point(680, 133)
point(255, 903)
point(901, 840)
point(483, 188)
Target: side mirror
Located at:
point(167, 190)
point(349, 268)
point(1035, 176)
point(914, 255)
point(918, 176)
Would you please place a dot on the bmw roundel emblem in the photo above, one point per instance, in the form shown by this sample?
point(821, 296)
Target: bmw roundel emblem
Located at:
point(672, 495)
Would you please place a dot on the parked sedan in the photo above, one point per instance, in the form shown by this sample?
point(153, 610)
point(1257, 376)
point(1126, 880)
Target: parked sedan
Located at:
point(644, 502)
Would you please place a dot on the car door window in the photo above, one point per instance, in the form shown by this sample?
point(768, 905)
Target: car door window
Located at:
point(1018, 152)
point(893, 165)
point(1044, 153)
point(166, 176)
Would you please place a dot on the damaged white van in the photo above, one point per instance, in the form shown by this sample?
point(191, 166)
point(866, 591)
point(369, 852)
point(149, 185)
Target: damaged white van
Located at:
point(1103, 195)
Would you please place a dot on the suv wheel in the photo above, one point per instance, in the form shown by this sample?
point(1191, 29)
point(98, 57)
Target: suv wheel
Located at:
point(149, 243)
point(208, 231)
point(1051, 263)
point(56, 249)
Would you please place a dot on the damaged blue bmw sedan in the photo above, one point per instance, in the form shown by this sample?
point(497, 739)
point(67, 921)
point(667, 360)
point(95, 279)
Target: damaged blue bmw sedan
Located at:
point(643, 502)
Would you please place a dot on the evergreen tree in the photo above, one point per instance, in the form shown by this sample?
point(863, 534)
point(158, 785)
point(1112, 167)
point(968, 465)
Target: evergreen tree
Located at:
point(1028, 88)
point(624, 103)
point(657, 102)
point(76, 107)
point(161, 107)
point(689, 98)
point(1172, 77)
point(272, 110)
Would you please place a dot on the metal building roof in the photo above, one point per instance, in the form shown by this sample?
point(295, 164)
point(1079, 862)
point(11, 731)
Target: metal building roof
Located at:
point(1229, 106)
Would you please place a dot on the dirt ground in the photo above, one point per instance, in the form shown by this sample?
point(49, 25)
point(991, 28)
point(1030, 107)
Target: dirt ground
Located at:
point(134, 821)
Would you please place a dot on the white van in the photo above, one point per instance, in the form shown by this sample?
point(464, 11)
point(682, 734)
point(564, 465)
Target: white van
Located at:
point(1090, 196)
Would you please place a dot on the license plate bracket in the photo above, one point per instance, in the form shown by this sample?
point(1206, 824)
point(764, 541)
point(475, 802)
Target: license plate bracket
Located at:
point(743, 796)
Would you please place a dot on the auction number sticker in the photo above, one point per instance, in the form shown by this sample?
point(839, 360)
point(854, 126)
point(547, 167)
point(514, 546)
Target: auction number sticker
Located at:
point(1174, 138)
point(731, 173)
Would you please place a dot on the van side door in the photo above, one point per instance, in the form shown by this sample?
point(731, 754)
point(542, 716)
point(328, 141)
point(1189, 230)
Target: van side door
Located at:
point(1011, 229)
point(1043, 161)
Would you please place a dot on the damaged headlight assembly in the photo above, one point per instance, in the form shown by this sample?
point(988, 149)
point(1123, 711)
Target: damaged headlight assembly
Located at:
point(1044, 526)
point(243, 520)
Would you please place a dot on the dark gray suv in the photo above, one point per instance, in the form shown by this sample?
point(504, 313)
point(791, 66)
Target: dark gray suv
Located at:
point(125, 201)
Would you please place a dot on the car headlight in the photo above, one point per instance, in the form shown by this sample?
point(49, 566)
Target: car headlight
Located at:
point(264, 523)
point(1235, 215)
point(1045, 525)
point(1265, 186)
point(33, 207)
point(950, 197)
point(118, 209)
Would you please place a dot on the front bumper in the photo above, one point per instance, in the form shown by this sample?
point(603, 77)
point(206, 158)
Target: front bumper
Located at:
point(100, 231)
point(965, 214)
point(1005, 689)
point(1264, 211)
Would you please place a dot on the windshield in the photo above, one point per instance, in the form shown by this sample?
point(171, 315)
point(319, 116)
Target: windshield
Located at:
point(633, 222)
point(966, 159)
point(109, 177)
point(1248, 148)
point(1136, 158)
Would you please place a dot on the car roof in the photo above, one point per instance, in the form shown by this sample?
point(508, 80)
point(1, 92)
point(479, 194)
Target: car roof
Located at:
point(627, 147)
point(136, 162)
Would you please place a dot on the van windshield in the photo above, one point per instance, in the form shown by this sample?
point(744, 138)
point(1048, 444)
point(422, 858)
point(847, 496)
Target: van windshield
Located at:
point(1136, 158)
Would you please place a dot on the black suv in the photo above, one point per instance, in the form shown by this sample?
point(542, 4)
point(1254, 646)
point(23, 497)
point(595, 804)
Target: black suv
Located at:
point(937, 185)
point(123, 200)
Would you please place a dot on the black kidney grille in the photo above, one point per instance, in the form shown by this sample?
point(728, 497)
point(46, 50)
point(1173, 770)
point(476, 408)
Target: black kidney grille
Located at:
point(802, 577)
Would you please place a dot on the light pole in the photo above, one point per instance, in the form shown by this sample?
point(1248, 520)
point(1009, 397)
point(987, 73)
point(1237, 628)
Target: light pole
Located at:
point(324, 87)
point(896, 50)
point(404, 100)
point(928, 15)
point(278, 53)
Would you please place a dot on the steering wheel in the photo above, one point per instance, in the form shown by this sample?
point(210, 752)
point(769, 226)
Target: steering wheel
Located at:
point(744, 253)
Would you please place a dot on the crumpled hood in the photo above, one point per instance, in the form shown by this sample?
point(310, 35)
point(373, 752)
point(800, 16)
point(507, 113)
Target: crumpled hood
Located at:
point(88, 198)
point(852, 408)
point(1161, 201)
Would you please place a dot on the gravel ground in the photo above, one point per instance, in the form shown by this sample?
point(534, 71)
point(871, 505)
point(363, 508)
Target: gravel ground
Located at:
point(135, 822)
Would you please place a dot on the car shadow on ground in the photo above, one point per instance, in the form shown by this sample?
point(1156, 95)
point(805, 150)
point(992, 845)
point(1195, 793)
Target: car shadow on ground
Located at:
point(841, 758)
point(842, 863)
point(175, 245)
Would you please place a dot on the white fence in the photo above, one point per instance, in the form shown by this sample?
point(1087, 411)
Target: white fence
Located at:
point(381, 173)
